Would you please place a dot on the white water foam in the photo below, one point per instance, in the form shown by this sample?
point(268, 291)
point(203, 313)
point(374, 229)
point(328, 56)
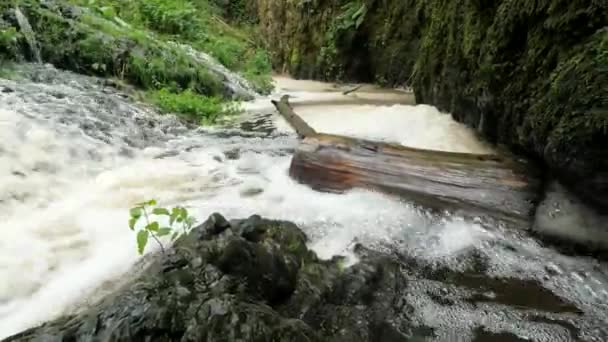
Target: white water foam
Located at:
point(64, 222)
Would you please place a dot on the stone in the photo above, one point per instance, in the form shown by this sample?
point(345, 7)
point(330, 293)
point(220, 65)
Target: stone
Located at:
point(215, 284)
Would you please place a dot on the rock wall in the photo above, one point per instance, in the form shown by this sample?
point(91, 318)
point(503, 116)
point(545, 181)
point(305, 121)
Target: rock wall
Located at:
point(532, 75)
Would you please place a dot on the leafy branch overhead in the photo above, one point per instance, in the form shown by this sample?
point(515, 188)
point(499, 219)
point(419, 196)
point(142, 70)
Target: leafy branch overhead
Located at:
point(352, 16)
point(179, 223)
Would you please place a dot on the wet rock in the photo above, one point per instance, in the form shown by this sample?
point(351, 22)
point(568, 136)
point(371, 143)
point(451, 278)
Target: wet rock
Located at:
point(245, 280)
point(550, 105)
point(215, 224)
point(251, 192)
point(269, 275)
point(18, 174)
point(233, 154)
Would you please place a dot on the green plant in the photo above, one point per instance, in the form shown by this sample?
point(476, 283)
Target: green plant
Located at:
point(171, 17)
point(257, 70)
point(180, 223)
point(133, 41)
point(8, 42)
point(352, 16)
point(7, 69)
point(192, 106)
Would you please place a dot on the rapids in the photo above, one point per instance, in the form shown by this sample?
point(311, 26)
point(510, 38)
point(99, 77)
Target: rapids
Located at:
point(75, 154)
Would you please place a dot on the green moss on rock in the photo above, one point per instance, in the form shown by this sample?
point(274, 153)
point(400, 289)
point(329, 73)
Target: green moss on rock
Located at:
point(528, 74)
point(245, 280)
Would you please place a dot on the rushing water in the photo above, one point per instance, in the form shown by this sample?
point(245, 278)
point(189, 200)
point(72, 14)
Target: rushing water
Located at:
point(75, 154)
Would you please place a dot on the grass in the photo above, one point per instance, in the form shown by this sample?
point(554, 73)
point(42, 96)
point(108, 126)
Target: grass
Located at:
point(8, 41)
point(191, 106)
point(194, 22)
point(129, 40)
point(7, 69)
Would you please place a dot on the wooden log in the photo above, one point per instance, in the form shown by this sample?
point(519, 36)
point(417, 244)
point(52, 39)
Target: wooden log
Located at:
point(492, 186)
point(500, 187)
point(296, 122)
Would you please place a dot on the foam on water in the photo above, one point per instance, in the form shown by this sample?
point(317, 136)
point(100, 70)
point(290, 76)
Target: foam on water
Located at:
point(64, 214)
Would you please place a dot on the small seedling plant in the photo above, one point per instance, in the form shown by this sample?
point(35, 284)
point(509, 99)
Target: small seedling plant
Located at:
point(180, 223)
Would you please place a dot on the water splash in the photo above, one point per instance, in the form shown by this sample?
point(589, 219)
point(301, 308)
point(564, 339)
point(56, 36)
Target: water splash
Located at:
point(238, 85)
point(28, 33)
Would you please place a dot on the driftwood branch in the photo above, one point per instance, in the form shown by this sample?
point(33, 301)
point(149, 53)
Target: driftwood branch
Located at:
point(352, 90)
point(294, 120)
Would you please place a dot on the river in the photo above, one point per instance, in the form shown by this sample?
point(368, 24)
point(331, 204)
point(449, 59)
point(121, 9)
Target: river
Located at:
point(75, 154)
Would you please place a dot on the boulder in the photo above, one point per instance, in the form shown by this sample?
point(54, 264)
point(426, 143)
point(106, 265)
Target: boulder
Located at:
point(244, 280)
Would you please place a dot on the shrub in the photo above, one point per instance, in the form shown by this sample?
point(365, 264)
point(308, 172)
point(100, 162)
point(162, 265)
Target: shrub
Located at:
point(257, 70)
point(176, 17)
point(180, 223)
point(191, 106)
point(8, 42)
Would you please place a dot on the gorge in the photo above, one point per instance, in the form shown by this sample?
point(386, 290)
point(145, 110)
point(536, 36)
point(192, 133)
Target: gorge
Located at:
point(173, 101)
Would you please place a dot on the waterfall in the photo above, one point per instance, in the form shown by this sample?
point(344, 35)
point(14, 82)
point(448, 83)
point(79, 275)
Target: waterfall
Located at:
point(239, 86)
point(29, 34)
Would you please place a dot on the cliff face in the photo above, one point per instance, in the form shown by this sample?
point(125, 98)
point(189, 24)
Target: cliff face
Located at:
point(532, 75)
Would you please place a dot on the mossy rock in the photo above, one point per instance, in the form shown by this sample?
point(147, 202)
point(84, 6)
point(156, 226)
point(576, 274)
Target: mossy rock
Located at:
point(89, 44)
point(529, 75)
point(90, 41)
point(241, 281)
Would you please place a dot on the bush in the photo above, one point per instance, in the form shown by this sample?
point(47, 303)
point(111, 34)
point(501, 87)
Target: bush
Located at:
point(227, 51)
point(8, 42)
point(129, 40)
point(257, 70)
point(176, 17)
point(191, 106)
point(172, 69)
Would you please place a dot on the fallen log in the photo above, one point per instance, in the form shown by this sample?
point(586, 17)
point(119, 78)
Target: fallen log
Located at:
point(492, 186)
point(294, 120)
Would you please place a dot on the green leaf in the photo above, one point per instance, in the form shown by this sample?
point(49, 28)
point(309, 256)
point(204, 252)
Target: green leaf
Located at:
point(153, 227)
point(161, 211)
point(183, 213)
point(142, 240)
point(174, 215)
point(151, 202)
point(164, 231)
point(190, 221)
point(136, 212)
point(132, 222)
point(174, 236)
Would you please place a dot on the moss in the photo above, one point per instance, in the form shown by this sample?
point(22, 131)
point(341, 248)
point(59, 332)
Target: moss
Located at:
point(90, 38)
point(527, 74)
point(191, 106)
point(9, 42)
point(7, 69)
